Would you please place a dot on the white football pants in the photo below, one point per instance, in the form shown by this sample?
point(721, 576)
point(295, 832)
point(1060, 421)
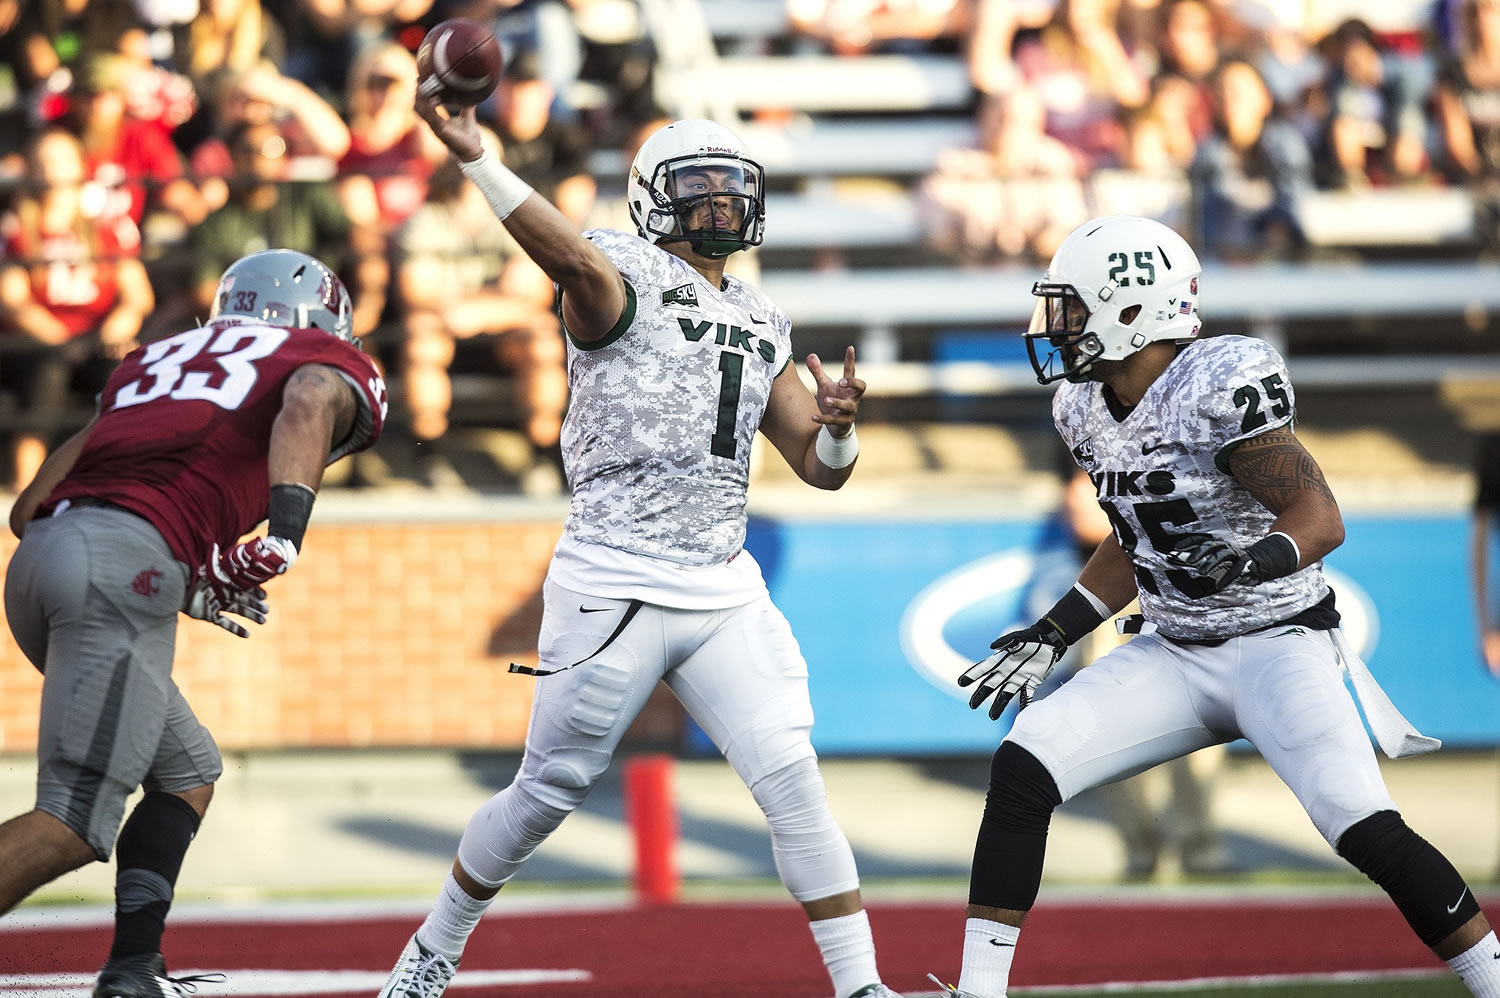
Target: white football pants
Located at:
point(739, 673)
point(1152, 700)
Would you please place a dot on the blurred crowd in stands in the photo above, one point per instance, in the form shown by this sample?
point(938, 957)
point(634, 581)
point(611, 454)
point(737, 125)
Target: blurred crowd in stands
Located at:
point(146, 144)
point(1215, 117)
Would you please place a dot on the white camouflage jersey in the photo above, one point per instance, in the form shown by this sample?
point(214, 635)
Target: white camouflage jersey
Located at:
point(1162, 471)
point(665, 407)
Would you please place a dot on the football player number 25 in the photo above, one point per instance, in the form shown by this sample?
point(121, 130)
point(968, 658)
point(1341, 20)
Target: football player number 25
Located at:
point(1154, 518)
point(1248, 398)
point(236, 349)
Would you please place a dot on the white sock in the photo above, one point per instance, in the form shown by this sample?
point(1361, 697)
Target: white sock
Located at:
point(989, 948)
point(452, 918)
point(1479, 968)
point(848, 951)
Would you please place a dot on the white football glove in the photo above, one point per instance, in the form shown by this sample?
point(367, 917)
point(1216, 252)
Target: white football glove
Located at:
point(1020, 662)
point(210, 598)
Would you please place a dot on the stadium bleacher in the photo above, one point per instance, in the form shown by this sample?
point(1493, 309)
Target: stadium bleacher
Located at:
point(1392, 292)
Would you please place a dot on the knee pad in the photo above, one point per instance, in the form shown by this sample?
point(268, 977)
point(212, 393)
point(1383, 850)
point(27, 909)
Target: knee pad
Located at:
point(812, 855)
point(564, 776)
point(505, 831)
point(157, 833)
point(150, 848)
point(1429, 892)
point(1012, 841)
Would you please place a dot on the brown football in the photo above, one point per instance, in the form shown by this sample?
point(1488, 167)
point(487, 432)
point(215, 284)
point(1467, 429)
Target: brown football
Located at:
point(459, 61)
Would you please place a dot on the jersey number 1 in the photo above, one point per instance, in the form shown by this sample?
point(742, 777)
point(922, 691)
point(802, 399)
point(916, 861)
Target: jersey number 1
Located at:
point(724, 442)
point(239, 347)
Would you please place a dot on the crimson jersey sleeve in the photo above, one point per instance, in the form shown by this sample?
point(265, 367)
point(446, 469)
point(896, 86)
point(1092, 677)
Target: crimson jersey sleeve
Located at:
point(184, 428)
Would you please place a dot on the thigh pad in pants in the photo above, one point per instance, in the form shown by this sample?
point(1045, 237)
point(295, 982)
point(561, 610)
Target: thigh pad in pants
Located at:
point(1293, 706)
point(1129, 711)
point(603, 675)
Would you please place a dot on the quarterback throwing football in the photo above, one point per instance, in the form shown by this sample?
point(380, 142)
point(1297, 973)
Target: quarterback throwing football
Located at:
point(673, 367)
point(1221, 520)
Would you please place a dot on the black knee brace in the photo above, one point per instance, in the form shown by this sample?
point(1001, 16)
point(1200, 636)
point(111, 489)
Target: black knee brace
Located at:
point(1429, 892)
point(149, 855)
point(1012, 840)
point(156, 835)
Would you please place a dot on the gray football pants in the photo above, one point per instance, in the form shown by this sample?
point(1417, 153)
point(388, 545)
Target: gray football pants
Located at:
point(92, 596)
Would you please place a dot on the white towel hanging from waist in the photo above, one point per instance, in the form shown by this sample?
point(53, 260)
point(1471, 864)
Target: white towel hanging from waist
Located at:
point(1393, 732)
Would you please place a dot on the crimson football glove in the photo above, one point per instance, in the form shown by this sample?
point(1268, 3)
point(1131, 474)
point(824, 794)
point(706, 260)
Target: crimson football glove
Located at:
point(210, 599)
point(256, 561)
point(1020, 662)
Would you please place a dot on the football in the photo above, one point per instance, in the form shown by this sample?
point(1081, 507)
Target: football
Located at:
point(459, 61)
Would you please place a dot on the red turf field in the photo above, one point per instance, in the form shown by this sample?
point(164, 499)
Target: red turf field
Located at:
point(745, 950)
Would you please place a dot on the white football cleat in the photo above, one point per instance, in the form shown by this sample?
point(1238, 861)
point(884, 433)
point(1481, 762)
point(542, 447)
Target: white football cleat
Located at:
point(419, 973)
point(875, 991)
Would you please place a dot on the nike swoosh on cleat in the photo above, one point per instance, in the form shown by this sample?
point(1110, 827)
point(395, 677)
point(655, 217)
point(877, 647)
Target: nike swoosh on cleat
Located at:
point(594, 609)
point(1454, 906)
point(996, 942)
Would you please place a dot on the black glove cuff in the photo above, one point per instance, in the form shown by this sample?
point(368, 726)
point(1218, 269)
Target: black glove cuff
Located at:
point(1072, 617)
point(1274, 556)
point(291, 506)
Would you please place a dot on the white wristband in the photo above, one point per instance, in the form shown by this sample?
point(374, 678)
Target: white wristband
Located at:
point(837, 452)
point(501, 188)
point(1094, 601)
point(1297, 551)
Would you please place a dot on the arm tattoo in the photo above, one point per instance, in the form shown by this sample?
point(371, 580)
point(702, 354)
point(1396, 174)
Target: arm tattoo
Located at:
point(1275, 467)
point(337, 393)
point(309, 375)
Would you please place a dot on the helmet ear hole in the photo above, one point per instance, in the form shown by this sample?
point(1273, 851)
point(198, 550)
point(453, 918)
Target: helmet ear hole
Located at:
point(1128, 315)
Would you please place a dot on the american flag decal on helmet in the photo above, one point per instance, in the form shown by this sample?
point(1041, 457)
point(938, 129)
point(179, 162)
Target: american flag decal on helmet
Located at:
point(1186, 308)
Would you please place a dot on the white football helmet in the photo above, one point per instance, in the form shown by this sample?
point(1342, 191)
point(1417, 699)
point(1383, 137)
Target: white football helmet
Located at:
point(692, 180)
point(1115, 284)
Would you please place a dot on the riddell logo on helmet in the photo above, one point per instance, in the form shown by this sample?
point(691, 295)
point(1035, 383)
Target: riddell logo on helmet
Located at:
point(715, 151)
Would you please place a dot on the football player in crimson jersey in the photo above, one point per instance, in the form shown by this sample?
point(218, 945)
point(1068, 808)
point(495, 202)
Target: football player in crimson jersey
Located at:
point(1221, 520)
point(198, 438)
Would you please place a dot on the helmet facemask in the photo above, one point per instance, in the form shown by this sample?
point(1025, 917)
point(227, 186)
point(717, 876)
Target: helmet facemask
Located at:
point(715, 202)
point(1061, 320)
